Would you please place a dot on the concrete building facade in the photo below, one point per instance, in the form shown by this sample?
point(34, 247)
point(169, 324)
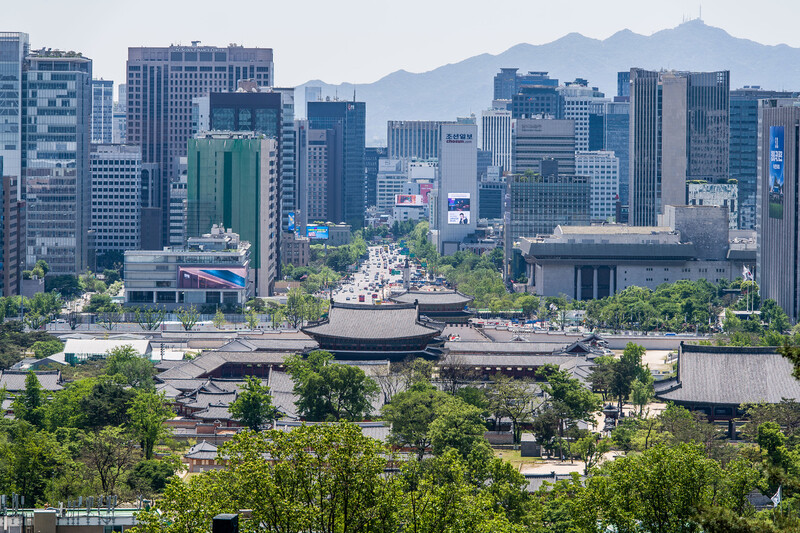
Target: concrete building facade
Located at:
point(496, 136)
point(116, 197)
point(413, 139)
point(602, 169)
point(458, 200)
point(538, 139)
point(102, 111)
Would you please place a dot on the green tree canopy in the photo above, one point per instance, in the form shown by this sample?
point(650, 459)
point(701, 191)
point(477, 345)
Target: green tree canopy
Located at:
point(253, 406)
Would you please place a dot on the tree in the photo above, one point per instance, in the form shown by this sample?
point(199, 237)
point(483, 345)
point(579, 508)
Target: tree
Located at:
point(295, 306)
point(136, 370)
point(29, 406)
point(602, 375)
point(109, 318)
point(219, 319)
point(252, 318)
point(626, 370)
point(411, 413)
point(149, 477)
point(99, 303)
point(44, 349)
point(590, 450)
point(515, 399)
point(66, 285)
point(150, 318)
point(568, 400)
point(35, 320)
point(109, 453)
point(642, 391)
point(457, 425)
point(147, 413)
point(107, 403)
point(253, 406)
point(188, 317)
point(330, 391)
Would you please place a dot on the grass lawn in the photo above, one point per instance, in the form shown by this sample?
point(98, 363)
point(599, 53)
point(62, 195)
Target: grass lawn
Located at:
point(515, 458)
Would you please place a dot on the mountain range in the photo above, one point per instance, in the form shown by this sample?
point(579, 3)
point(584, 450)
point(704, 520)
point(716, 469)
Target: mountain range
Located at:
point(458, 89)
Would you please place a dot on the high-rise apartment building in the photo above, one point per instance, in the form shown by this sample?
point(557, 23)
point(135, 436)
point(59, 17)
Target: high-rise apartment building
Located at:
point(12, 246)
point(102, 111)
point(496, 136)
point(116, 197)
point(778, 216)
point(679, 131)
point(56, 135)
point(413, 139)
point(457, 200)
point(14, 48)
point(538, 139)
point(602, 169)
point(743, 150)
point(372, 154)
point(161, 83)
point(348, 119)
point(233, 180)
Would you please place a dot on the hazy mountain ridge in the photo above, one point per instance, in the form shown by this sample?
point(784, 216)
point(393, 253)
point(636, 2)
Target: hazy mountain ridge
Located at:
point(458, 89)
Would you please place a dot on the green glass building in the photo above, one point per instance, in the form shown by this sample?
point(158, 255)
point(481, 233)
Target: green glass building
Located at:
point(233, 181)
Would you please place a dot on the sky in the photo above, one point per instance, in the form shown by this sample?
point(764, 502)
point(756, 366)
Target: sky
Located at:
point(360, 41)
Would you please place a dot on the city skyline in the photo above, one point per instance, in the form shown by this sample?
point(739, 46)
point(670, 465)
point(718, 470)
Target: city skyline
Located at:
point(366, 55)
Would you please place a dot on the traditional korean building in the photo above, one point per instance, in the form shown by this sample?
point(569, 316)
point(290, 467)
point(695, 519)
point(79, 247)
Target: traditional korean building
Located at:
point(393, 332)
point(444, 306)
point(717, 380)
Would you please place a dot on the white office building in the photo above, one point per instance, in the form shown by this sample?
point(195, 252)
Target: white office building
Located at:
point(177, 210)
point(496, 136)
point(116, 172)
point(390, 181)
point(578, 100)
point(602, 168)
point(457, 198)
point(102, 110)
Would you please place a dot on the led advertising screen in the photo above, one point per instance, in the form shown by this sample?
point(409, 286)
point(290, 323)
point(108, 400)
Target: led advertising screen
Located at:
point(408, 199)
point(776, 153)
point(458, 208)
point(317, 232)
point(211, 278)
point(290, 221)
point(424, 189)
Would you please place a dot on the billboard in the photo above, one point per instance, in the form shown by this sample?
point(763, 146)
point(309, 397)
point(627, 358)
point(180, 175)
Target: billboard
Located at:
point(290, 218)
point(776, 178)
point(316, 232)
point(424, 189)
point(211, 278)
point(408, 199)
point(458, 208)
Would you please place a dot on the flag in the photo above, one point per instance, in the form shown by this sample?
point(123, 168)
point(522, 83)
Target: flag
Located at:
point(746, 274)
point(777, 498)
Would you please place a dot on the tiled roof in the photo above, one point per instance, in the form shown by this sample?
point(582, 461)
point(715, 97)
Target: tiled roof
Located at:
point(207, 362)
point(376, 430)
point(14, 381)
point(730, 375)
point(354, 321)
point(214, 412)
point(203, 399)
point(489, 347)
point(433, 297)
point(202, 450)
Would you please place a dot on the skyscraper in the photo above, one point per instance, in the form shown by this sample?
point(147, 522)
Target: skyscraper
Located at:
point(507, 82)
point(56, 136)
point(458, 200)
point(162, 81)
point(413, 139)
point(539, 139)
point(233, 181)
point(14, 48)
point(102, 110)
point(616, 138)
point(116, 197)
point(778, 217)
point(602, 169)
point(319, 174)
point(371, 156)
point(536, 100)
point(578, 98)
point(349, 120)
point(496, 133)
point(679, 131)
point(743, 151)
point(12, 246)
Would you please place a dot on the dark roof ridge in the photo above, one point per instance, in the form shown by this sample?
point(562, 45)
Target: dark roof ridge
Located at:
point(697, 348)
